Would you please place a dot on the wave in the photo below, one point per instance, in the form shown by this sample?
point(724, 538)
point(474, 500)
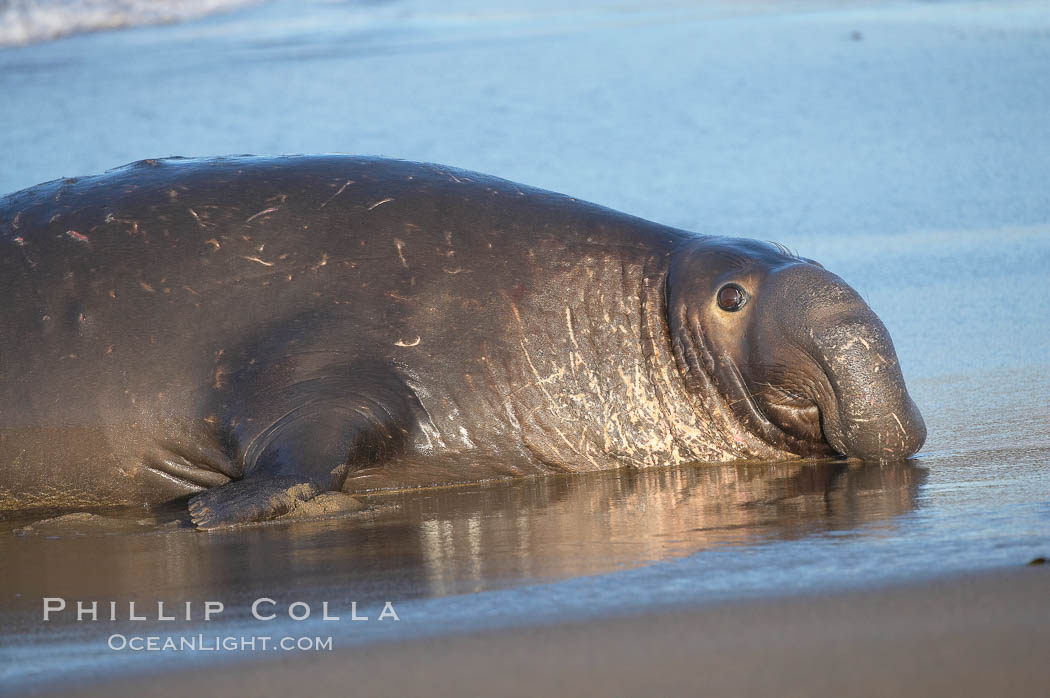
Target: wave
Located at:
point(28, 21)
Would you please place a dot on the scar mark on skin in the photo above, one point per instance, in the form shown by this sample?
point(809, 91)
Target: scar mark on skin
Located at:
point(539, 380)
point(214, 243)
point(259, 261)
point(400, 251)
point(453, 272)
point(146, 287)
point(514, 309)
point(568, 321)
point(323, 262)
point(196, 217)
point(265, 211)
point(20, 243)
point(77, 236)
point(403, 343)
point(903, 430)
point(380, 203)
point(850, 343)
point(341, 190)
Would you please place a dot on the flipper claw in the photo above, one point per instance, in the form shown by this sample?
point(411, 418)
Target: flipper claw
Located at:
point(246, 501)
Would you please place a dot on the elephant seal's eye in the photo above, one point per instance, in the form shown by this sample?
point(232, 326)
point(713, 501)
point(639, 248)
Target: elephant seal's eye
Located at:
point(731, 297)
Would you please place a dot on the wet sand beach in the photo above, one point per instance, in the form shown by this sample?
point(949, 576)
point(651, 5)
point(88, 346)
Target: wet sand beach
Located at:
point(904, 145)
point(974, 635)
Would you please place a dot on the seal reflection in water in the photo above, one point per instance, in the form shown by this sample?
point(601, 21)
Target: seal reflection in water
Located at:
point(440, 541)
point(254, 331)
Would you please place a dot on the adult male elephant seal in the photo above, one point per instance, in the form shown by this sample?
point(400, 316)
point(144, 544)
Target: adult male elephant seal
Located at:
point(259, 330)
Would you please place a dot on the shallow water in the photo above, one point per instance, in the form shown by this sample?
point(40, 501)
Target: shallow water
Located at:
point(912, 161)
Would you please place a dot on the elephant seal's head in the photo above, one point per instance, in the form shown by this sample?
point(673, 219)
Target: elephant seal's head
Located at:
point(801, 359)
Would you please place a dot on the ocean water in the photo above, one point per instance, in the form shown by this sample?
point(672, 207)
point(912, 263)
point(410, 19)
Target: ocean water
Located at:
point(904, 145)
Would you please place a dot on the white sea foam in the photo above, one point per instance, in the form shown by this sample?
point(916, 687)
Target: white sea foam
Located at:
point(26, 21)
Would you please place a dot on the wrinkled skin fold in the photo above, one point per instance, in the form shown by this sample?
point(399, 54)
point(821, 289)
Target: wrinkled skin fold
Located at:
point(254, 331)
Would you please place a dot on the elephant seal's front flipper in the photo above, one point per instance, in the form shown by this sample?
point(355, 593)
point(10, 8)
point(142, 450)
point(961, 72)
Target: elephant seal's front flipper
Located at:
point(244, 501)
point(322, 422)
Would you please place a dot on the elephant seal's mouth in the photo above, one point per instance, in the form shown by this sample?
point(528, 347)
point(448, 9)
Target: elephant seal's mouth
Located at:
point(764, 421)
point(788, 422)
